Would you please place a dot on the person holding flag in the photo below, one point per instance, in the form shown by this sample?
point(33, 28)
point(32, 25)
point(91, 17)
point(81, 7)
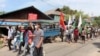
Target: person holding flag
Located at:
point(80, 22)
point(80, 25)
point(62, 25)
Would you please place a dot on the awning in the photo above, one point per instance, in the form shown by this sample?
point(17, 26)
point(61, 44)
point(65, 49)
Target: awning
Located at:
point(23, 21)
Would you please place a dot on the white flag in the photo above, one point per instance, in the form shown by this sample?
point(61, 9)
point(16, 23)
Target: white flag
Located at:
point(80, 22)
point(73, 18)
point(69, 21)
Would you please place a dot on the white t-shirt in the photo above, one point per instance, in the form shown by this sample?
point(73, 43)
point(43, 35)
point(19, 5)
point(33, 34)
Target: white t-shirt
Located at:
point(10, 32)
point(99, 30)
point(66, 32)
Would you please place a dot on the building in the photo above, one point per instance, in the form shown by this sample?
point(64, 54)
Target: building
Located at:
point(20, 16)
point(55, 14)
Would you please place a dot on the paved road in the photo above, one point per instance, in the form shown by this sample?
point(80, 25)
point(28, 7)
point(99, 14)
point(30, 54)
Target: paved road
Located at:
point(90, 48)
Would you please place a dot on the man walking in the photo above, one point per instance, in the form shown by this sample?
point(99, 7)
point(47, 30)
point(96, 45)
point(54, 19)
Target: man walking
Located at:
point(10, 36)
point(38, 40)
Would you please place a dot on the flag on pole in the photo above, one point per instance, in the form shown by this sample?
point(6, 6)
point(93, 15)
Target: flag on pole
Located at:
point(62, 24)
point(80, 22)
point(82, 25)
point(73, 18)
point(69, 21)
point(74, 24)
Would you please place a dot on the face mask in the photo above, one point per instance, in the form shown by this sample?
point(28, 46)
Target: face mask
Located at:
point(36, 27)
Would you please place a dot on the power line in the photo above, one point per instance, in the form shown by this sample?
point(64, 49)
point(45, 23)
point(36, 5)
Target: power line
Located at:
point(49, 4)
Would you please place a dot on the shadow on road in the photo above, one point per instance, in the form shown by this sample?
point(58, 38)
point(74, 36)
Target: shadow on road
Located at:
point(97, 44)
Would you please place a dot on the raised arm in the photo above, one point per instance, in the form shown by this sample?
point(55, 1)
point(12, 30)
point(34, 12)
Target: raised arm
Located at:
point(31, 24)
point(7, 27)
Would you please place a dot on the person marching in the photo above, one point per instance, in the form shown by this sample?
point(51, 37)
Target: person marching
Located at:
point(62, 34)
point(16, 38)
point(21, 40)
point(91, 32)
point(69, 34)
point(38, 40)
point(87, 33)
point(29, 44)
point(10, 36)
point(83, 35)
point(76, 34)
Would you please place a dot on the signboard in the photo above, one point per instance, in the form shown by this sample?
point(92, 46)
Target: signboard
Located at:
point(32, 16)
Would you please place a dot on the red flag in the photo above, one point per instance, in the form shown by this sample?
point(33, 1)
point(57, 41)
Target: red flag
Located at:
point(32, 16)
point(62, 24)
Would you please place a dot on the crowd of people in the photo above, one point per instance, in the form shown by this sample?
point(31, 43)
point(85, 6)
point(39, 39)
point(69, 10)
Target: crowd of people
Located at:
point(73, 35)
point(29, 37)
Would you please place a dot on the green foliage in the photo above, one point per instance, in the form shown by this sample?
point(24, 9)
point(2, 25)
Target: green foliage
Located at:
point(68, 11)
point(97, 21)
point(1, 44)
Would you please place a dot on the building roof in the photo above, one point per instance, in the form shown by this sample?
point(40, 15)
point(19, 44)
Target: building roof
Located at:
point(53, 12)
point(27, 8)
point(88, 20)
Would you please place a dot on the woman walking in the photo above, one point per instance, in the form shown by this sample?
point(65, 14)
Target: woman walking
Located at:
point(28, 41)
point(76, 34)
point(16, 38)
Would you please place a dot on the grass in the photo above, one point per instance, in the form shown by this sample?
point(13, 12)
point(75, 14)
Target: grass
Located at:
point(1, 44)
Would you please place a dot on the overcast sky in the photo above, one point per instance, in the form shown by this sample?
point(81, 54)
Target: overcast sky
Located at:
point(91, 7)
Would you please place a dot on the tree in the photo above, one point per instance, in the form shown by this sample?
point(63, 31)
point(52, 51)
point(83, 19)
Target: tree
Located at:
point(68, 11)
point(97, 20)
point(2, 12)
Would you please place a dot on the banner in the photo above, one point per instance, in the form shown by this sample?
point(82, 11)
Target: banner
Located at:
point(32, 16)
point(69, 21)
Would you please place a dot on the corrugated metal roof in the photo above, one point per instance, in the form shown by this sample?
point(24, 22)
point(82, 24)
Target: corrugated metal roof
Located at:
point(22, 22)
point(53, 11)
point(32, 7)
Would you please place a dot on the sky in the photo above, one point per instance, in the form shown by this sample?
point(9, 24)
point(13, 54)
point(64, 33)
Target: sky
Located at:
point(91, 7)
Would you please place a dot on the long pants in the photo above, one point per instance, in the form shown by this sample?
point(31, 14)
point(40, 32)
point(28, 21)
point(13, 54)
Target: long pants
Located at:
point(26, 49)
point(38, 51)
point(32, 47)
point(16, 43)
point(75, 38)
point(90, 35)
point(20, 47)
point(9, 43)
point(61, 36)
point(93, 34)
point(87, 35)
point(69, 37)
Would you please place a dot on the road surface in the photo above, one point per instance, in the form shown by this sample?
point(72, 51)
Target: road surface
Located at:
point(90, 48)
